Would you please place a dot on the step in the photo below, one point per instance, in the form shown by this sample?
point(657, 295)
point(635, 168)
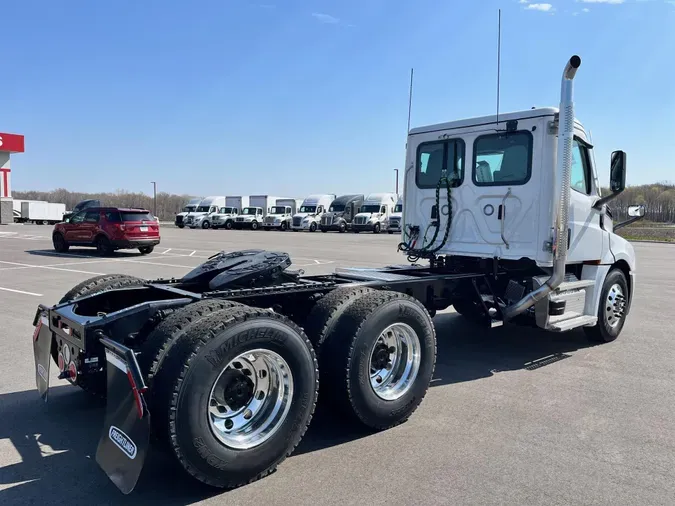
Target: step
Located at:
point(573, 323)
point(567, 286)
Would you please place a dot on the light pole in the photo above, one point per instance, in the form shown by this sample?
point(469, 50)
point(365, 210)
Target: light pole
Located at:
point(154, 198)
point(396, 181)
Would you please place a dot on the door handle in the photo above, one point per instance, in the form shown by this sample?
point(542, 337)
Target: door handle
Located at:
point(501, 215)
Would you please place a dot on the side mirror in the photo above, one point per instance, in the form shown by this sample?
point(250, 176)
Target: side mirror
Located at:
point(617, 172)
point(636, 211)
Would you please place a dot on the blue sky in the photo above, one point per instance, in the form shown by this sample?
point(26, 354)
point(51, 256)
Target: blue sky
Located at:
point(298, 97)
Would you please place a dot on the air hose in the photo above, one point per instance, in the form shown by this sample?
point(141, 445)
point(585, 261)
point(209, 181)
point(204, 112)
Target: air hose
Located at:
point(426, 250)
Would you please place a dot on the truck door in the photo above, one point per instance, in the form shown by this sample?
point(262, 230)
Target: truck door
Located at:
point(587, 239)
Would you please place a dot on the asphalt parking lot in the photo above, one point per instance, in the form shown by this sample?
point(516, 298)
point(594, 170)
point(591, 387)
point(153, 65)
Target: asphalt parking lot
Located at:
point(514, 416)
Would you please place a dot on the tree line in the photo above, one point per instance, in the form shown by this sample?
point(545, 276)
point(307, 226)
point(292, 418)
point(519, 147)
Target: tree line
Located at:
point(168, 204)
point(658, 199)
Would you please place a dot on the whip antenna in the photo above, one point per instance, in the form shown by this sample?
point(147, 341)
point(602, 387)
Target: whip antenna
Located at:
point(499, 57)
point(410, 98)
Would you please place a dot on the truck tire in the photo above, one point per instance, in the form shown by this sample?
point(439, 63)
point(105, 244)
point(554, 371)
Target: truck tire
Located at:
point(376, 228)
point(342, 227)
point(612, 310)
point(181, 226)
point(254, 225)
point(326, 312)
point(383, 355)
point(312, 227)
point(60, 243)
point(284, 226)
point(95, 384)
point(206, 224)
point(241, 361)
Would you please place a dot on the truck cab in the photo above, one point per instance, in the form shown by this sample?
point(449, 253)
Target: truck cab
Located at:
point(374, 212)
point(250, 217)
point(201, 217)
point(279, 218)
point(224, 218)
point(394, 221)
point(341, 213)
point(520, 192)
point(311, 211)
point(191, 207)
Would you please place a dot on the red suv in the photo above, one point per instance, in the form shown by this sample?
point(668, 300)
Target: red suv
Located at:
point(108, 229)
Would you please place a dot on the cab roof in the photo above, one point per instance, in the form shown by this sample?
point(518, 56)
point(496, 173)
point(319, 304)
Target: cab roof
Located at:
point(486, 120)
point(345, 199)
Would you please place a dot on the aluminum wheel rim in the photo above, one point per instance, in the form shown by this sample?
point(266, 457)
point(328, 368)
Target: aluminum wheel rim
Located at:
point(394, 361)
point(615, 305)
point(244, 421)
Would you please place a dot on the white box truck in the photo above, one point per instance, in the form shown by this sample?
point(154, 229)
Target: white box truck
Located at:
point(202, 216)
point(227, 214)
point(281, 214)
point(42, 213)
point(375, 211)
point(312, 209)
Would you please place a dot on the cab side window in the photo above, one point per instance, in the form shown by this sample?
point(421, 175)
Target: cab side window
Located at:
point(502, 159)
point(580, 177)
point(435, 157)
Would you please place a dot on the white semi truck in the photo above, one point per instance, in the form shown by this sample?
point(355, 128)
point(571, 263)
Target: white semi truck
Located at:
point(190, 207)
point(394, 221)
point(281, 214)
point(225, 216)
point(374, 213)
point(507, 213)
point(201, 217)
point(312, 209)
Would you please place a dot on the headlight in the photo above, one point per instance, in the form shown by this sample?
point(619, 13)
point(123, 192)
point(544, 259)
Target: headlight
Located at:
point(277, 220)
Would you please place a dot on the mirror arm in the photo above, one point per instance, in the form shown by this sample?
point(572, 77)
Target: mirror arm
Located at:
point(627, 222)
point(602, 201)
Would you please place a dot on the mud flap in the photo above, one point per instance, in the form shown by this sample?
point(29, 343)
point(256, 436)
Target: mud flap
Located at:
point(42, 347)
point(126, 433)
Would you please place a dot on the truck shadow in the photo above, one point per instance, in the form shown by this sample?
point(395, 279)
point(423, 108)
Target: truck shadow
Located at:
point(52, 450)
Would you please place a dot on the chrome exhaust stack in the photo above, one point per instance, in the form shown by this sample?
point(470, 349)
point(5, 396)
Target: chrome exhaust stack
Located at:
point(561, 194)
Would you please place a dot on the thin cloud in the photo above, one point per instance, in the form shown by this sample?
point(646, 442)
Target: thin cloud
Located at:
point(325, 18)
point(585, 9)
point(539, 7)
point(615, 2)
point(524, 1)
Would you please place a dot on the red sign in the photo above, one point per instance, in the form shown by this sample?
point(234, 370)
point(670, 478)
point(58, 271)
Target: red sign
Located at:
point(11, 142)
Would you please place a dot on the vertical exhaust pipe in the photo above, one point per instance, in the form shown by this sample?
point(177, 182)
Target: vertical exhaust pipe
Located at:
point(561, 194)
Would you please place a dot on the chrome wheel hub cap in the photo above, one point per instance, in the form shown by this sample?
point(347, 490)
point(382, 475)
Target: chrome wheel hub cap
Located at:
point(250, 399)
point(394, 361)
point(615, 305)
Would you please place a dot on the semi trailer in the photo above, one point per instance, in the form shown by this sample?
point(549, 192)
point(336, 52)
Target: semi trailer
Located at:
point(504, 220)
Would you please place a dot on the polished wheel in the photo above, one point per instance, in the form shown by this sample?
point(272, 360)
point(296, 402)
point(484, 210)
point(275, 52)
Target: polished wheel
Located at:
point(250, 399)
point(394, 361)
point(615, 305)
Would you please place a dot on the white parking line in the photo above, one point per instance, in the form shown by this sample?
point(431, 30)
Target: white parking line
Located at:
point(20, 291)
point(50, 268)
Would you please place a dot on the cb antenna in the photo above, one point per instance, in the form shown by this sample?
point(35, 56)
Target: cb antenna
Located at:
point(410, 98)
point(499, 57)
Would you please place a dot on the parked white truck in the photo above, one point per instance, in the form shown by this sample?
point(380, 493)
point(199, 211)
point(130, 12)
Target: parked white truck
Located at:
point(312, 209)
point(281, 215)
point(41, 213)
point(374, 213)
point(201, 217)
point(190, 207)
point(395, 219)
point(225, 216)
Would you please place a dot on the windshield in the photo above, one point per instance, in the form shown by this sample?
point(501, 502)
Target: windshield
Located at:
point(308, 209)
point(337, 208)
point(278, 210)
point(188, 209)
point(398, 208)
point(203, 209)
point(250, 210)
point(371, 209)
point(225, 210)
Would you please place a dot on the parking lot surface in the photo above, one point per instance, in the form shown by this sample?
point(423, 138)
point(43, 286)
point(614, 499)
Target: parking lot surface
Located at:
point(514, 416)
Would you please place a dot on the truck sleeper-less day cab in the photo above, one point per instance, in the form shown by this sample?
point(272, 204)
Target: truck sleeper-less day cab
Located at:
point(190, 207)
point(280, 216)
point(341, 213)
point(250, 217)
point(201, 217)
point(222, 364)
point(224, 218)
point(394, 224)
point(374, 213)
point(311, 211)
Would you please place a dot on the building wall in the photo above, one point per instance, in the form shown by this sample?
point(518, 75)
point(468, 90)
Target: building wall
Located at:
point(6, 211)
